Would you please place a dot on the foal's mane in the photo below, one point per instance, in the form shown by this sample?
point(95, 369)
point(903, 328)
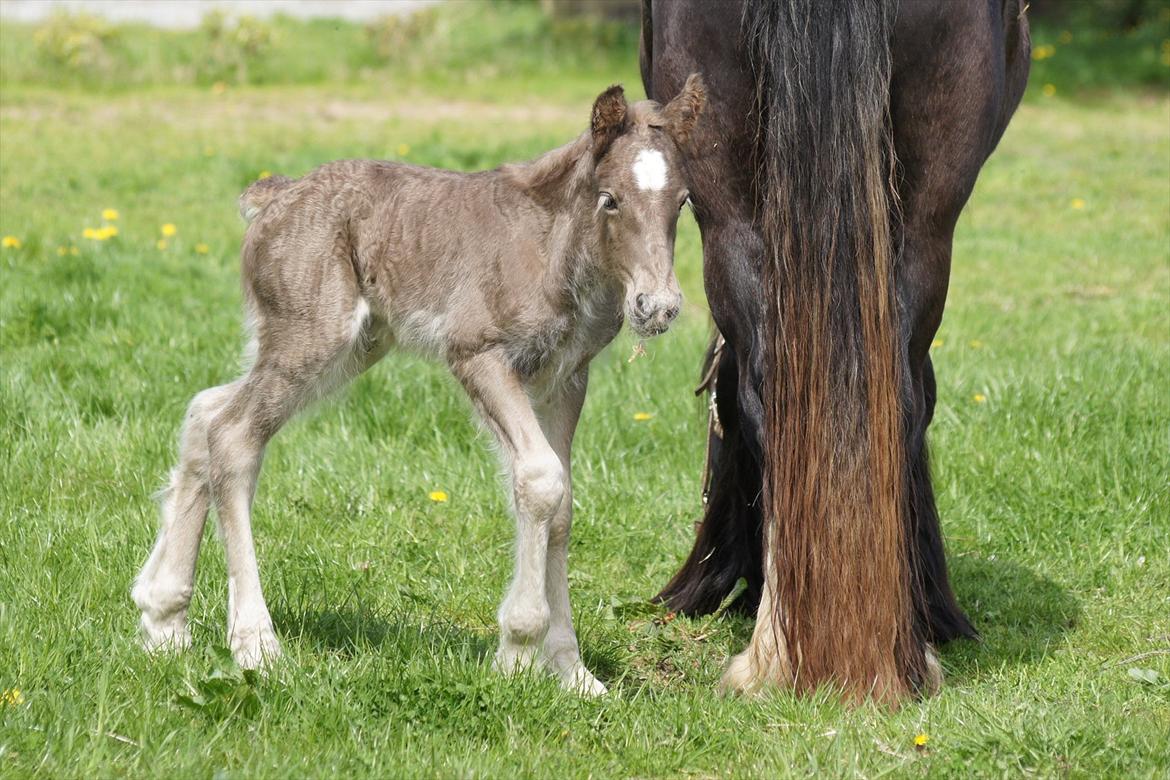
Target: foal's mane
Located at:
point(554, 175)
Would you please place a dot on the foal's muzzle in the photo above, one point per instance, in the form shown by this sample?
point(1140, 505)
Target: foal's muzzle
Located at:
point(651, 314)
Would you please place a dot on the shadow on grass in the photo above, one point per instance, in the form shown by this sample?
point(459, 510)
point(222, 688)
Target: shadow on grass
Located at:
point(353, 631)
point(1018, 613)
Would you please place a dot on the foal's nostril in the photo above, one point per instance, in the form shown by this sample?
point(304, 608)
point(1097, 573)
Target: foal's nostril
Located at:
point(640, 305)
point(671, 313)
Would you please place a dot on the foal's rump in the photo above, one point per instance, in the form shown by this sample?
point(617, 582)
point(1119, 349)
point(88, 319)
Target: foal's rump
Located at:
point(302, 293)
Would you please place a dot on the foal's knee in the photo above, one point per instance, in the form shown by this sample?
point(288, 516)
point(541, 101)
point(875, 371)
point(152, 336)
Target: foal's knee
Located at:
point(540, 485)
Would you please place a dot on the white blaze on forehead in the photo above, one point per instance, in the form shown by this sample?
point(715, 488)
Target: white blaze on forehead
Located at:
point(650, 170)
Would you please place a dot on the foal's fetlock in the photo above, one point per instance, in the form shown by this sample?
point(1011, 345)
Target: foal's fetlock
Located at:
point(164, 615)
point(522, 632)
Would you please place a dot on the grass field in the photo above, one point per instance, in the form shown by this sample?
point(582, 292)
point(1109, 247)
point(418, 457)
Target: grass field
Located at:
point(1051, 449)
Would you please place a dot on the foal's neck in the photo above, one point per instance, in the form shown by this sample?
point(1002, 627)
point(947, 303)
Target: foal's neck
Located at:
point(560, 184)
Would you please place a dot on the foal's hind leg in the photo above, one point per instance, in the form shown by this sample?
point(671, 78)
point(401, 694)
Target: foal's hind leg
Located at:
point(298, 359)
point(163, 589)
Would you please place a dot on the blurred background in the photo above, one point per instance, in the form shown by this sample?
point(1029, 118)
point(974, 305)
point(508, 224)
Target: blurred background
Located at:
point(124, 44)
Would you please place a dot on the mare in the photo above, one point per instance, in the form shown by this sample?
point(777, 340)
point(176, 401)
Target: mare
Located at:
point(843, 139)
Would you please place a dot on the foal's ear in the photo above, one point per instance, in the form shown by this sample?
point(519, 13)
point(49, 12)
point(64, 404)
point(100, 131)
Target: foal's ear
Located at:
point(682, 112)
point(609, 118)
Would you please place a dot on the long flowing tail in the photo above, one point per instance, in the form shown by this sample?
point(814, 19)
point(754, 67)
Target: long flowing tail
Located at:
point(836, 552)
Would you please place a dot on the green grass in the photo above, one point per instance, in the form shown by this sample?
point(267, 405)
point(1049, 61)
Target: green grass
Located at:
point(485, 46)
point(1053, 490)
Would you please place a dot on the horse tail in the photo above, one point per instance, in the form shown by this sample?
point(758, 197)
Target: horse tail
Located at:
point(836, 559)
point(259, 193)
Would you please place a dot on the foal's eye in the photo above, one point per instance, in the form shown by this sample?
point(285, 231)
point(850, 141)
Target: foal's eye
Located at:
point(607, 202)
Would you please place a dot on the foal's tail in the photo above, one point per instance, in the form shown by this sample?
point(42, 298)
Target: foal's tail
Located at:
point(835, 533)
point(259, 194)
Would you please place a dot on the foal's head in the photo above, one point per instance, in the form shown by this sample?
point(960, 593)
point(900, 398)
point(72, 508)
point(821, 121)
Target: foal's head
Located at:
point(640, 190)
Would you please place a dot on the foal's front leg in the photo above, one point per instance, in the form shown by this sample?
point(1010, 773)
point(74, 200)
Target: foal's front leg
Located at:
point(538, 489)
point(561, 653)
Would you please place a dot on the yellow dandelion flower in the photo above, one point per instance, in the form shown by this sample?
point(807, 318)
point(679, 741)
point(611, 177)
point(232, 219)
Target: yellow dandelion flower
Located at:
point(168, 230)
point(936, 343)
point(202, 249)
point(642, 416)
point(976, 344)
point(108, 231)
point(920, 740)
point(438, 496)
point(1049, 90)
point(1077, 203)
point(403, 150)
point(110, 215)
point(161, 244)
point(12, 697)
point(979, 398)
point(1043, 52)
point(10, 242)
point(62, 251)
point(264, 175)
point(90, 233)
point(74, 251)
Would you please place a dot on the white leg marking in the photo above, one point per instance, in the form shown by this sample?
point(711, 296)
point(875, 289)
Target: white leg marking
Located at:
point(764, 662)
point(235, 458)
point(538, 481)
point(163, 589)
point(561, 651)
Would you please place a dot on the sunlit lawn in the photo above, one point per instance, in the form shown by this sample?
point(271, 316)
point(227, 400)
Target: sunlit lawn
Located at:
point(1050, 445)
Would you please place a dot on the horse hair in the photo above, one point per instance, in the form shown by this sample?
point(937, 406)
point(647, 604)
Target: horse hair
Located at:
point(834, 482)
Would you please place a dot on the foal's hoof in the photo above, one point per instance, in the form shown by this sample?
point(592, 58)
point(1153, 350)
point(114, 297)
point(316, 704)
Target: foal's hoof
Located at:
point(166, 635)
point(582, 682)
point(512, 660)
point(255, 648)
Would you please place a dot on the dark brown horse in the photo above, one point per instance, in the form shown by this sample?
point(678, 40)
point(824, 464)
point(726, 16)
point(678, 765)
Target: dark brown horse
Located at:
point(844, 139)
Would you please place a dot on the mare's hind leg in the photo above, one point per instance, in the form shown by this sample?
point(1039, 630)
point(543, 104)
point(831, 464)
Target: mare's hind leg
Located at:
point(163, 588)
point(300, 358)
point(941, 152)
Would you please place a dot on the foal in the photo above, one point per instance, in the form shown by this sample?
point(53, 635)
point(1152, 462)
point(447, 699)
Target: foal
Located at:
point(516, 278)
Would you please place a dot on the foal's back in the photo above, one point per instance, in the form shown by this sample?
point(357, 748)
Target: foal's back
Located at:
point(447, 260)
